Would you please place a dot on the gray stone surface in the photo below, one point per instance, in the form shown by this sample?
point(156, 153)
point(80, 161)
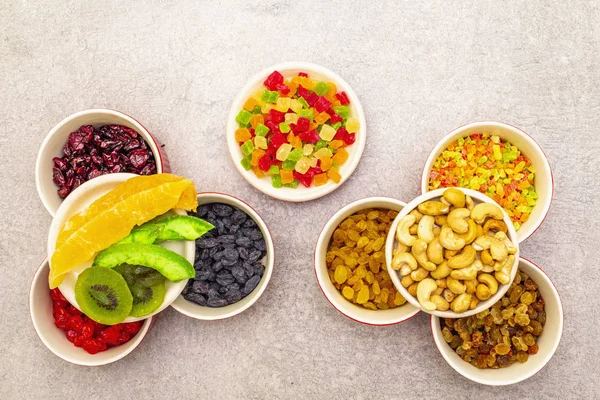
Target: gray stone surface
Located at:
point(419, 68)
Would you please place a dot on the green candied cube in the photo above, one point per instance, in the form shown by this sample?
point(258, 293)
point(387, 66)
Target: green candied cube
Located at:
point(276, 181)
point(321, 88)
point(243, 117)
point(288, 165)
point(336, 126)
point(295, 155)
point(342, 111)
point(274, 170)
point(292, 185)
point(306, 114)
point(284, 127)
point(304, 103)
point(269, 96)
point(248, 147)
point(246, 163)
point(320, 144)
point(261, 130)
point(256, 110)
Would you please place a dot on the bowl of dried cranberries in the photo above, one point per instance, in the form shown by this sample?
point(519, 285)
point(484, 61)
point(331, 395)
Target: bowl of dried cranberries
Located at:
point(73, 336)
point(92, 143)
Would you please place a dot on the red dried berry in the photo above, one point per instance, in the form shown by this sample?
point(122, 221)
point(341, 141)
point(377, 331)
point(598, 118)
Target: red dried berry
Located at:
point(91, 346)
point(78, 342)
point(76, 323)
point(124, 338)
point(88, 330)
point(101, 344)
point(110, 336)
point(62, 323)
point(71, 335)
point(132, 328)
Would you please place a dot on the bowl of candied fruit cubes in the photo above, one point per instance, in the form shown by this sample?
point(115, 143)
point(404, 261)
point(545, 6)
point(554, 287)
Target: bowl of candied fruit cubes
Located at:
point(511, 341)
point(296, 131)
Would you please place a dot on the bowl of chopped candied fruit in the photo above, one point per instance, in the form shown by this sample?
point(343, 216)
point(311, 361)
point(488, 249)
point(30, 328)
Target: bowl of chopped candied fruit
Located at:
point(500, 161)
point(350, 263)
point(512, 340)
point(296, 131)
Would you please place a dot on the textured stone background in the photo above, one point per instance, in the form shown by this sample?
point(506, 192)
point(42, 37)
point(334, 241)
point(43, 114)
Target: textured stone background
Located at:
point(420, 68)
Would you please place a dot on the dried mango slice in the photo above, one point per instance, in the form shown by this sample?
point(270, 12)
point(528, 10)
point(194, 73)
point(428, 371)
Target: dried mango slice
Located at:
point(111, 218)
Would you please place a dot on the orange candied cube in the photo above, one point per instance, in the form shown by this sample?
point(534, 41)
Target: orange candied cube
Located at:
point(296, 142)
point(340, 156)
point(250, 104)
point(326, 163)
point(320, 179)
point(286, 176)
point(321, 118)
point(256, 119)
point(336, 103)
point(293, 87)
point(332, 90)
point(290, 137)
point(336, 144)
point(258, 172)
point(334, 174)
point(256, 155)
point(242, 134)
point(313, 126)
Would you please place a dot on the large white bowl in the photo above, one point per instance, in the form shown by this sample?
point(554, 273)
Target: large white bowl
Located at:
point(333, 295)
point(40, 309)
point(543, 182)
point(548, 341)
point(53, 144)
point(391, 244)
point(209, 313)
point(80, 199)
point(301, 193)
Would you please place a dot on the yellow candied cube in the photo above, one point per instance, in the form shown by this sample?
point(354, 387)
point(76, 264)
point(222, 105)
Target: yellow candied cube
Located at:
point(283, 151)
point(258, 96)
point(302, 165)
point(283, 104)
point(291, 118)
point(352, 125)
point(250, 104)
point(322, 153)
point(327, 133)
point(296, 106)
point(308, 149)
point(260, 142)
point(266, 108)
point(313, 162)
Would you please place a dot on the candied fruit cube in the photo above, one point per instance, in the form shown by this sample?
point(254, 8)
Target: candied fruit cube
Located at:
point(295, 155)
point(296, 105)
point(313, 162)
point(246, 163)
point(320, 179)
point(336, 144)
point(258, 172)
point(333, 174)
point(283, 104)
point(243, 117)
point(273, 170)
point(311, 136)
point(288, 165)
point(340, 156)
point(342, 111)
point(343, 98)
point(269, 96)
point(296, 142)
point(302, 124)
point(273, 80)
point(322, 104)
point(291, 118)
point(276, 181)
point(242, 134)
point(256, 155)
point(283, 152)
point(293, 184)
point(352, 125)
point(260, 142)
point(256, 119)
point(326, 164)
point(247, 147)
point(265, 108)
point(286, 176)
point(308, 149)
point(264, 163)
point(250, 104)
point(302, 165)
point(261, 130)
point(327, 133)
point(284, 127)
point(321, 88)
point(308, 114)
point(321, 118)
point(320, 144)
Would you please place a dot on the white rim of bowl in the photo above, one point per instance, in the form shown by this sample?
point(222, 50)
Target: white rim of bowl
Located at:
point(301, 193)
point(434, 323)
point(391, 241)
point(138, 339)
point(161, 164)
point(264, 280)
point(443, 143)
point(320, 240)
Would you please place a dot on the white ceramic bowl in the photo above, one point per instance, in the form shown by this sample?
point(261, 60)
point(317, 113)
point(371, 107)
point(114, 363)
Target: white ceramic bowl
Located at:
point(301, 193)
point(208, 313)
point(351, 310)
point(80, 199)
point(391, 244)
point(53, 144)
point(544, 183)
point(548, 341)
point(40, 309)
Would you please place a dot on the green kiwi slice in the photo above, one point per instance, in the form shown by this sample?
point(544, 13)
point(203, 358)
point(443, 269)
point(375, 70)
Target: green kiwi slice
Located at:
point(103, 295)
point(146, 300)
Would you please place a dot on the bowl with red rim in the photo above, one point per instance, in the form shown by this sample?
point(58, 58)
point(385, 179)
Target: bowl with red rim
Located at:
point(332, 294)
point(41, 312)
point(548, 341)
point(543, 181)
point(55, 140)
point(301, 192)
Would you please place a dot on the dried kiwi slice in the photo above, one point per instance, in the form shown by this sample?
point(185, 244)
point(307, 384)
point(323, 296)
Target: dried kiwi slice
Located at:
point(103, 295)
point(146, 300)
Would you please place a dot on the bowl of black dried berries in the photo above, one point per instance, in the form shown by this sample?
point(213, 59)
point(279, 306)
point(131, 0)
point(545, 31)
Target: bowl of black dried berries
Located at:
point(233, 263)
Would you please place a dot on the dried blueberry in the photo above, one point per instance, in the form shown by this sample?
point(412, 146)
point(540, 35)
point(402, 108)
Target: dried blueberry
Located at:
point(196, 298)
point(234, 228)
point(243, 252)
point(202, 210)
point(217, 266)
point(238, 216)
point(251, 284)
point(233, 296)
point(228, 263)
point(239, 274)
point(252, 233)
point(254, 256)
point(227, 239)
point(206, 243)
point(218, 256)
point(233, 286)
point(260, 245)
point(220, 227)
point(222, 210)
point(216, 302)
point(231, 254)
point(224, 278)
point(212, 292)
point(244, 242)
point(249, 223)
point(200, 287)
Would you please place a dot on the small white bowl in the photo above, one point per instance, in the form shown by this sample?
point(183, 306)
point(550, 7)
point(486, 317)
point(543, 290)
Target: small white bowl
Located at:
point(544, 182)
point(391, 244)
point(333, 295)
point(301, 193)
point(80, 199)
point(548, 341)
point(209, 313)
point(53, 144)
point(40, 310)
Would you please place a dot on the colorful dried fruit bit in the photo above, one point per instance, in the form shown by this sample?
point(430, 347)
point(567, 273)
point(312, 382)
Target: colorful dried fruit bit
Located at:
point(493, 166)
point(356, 259)
point(301, 125)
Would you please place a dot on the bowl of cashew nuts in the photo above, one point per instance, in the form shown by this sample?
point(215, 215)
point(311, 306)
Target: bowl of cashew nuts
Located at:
point(452, 252)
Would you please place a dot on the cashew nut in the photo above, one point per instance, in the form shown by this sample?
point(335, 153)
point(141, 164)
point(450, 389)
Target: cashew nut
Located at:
point(404, 259)
point(413, 229)
point(441, 220)
point(474, 302)
point(412, 289)
point(449, 240)
point(435, 251)
point(424, 290)
point(401, 248)
point(486, 257)
point(455, 286)
point(471, 233)
point(417, 215)
point(405, 270)
point(419, 274)
point(439, 290)
point(441, 271)
point(456, 220)
point(448, 254)
point(448, 295)
point(469, 202)
point(471, 286)
point(455, 197)
point(487, 269)
point(497, 248)
point(464, 259)
point(440, 303)
point(467, 273)
point(461, 303)
point(489, 281)
point(483, 292)
point(425, 230)
point(484, 210)
point(503, 275)
point(501, 236)
point(441, 283)
point(407, 281)
point(418, 250)
point(402, 233)
point(436, 230)
point(494, 225)
point(433, 208)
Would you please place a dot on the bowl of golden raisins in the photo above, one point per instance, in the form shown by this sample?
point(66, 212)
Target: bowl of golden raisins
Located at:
point(513, 339)
point(350, 263)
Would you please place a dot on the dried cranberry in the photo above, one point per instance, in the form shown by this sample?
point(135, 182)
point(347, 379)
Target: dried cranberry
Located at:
point(60, 163)
point(62, 323)
point(149, 169)
point(138, 158)
point(76, 323)
point(94, 173)
point(133, 144)
point(91, 346)
point(110, 336)
point(77, 182)
point(132, 327)
point(71, 335)
point(129, 131)
point(57, 176)
point(88, 330)
point(64, 191)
